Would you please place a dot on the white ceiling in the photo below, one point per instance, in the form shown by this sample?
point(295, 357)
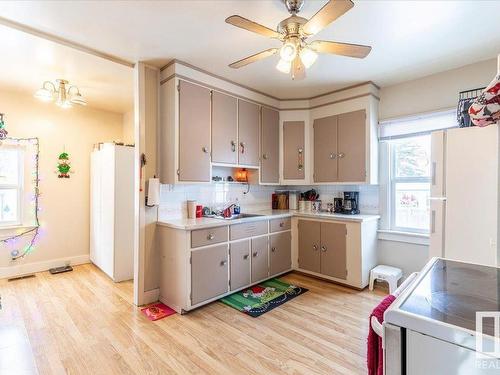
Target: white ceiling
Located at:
point(410, 39)
point(27, 61)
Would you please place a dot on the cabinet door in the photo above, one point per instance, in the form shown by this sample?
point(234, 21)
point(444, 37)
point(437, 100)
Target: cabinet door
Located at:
point(333, 250)
point(270, 144)
point(352, 146)
point(309, 243)
point(293, 150)
point(240, 264)
point(209, 273)
point(224, 128)
point(325, 149)
point(194, 132)
point(280, 257)
point(260, 269)
point(248, 133)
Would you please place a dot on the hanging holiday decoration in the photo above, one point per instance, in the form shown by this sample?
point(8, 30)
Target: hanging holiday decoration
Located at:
point(64, 165)
point(3, 131)
point(20, 249)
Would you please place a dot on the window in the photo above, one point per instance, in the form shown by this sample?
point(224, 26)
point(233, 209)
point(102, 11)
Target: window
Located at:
point(410, 183)
point(405, 181)
point(11, 184)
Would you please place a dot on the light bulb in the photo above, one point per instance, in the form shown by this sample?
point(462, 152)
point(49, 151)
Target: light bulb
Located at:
point(308, 57)
point(284, 66)
point(288, 51)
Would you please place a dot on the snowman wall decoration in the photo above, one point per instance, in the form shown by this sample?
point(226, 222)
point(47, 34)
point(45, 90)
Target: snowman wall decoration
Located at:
point(63, 165)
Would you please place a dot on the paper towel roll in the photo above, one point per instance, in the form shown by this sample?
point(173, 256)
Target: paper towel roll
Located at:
point(153, 198)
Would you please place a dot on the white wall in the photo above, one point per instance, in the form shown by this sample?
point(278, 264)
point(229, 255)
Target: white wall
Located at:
point(434, 92)
point(64, 203)
point(427, 94)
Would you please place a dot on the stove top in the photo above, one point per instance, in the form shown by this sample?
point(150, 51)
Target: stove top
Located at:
point(452, 292)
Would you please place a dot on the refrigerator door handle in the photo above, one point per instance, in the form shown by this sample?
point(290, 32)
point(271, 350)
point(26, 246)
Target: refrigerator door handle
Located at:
point(433, 221)
point(437, 198)
point(433, 173)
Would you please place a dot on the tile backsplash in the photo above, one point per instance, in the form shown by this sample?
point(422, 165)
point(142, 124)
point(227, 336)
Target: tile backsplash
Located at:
point(173, 197)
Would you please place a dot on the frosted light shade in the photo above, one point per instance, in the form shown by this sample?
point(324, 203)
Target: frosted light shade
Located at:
point(308, 57)
point(288, 51)
point(284, 66)
point(44, 95)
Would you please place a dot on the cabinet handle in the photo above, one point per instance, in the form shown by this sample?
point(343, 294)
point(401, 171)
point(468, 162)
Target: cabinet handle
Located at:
point(323, 249)
point(433, 173)
point(223, 262)
point(255, 255)
point(273, 249)
point(333, 156)
point(210, 237)
point(433, 222)
point(233, 146)
point(245, 256)
point(205, 150)
point(265, 156)
point(242, 144)
point(300, 153)
point(282, 224)
point(340, 155)
point(315, 247)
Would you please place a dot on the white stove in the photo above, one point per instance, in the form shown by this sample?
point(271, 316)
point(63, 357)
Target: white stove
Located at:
point(431, 327)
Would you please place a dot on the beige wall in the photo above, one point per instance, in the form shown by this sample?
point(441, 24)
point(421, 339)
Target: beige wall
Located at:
point(128, 127)
point(64, 202)
point(434, 92)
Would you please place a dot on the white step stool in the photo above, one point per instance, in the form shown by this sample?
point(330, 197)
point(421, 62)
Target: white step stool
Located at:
point(386, 273)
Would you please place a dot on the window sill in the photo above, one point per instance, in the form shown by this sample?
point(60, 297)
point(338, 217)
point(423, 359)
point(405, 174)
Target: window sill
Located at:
point(407, 237)
point(6, 231)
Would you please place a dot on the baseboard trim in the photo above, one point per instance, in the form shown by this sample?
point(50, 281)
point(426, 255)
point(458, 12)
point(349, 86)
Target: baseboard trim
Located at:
point(151, 296)
point(28, 268)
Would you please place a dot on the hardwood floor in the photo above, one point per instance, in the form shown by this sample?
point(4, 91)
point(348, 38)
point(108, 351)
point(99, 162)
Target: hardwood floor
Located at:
point(82, 323)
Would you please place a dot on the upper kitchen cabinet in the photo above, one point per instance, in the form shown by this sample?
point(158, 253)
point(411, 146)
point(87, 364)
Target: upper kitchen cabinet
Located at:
point(345, 149)
point(224, 128)
point(194, 133)
point(325, 149)
point(248, 133)
point(294, 150)
point(270, 144)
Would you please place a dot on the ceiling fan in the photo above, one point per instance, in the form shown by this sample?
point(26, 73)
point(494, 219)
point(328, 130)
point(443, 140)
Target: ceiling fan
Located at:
point(296, 54)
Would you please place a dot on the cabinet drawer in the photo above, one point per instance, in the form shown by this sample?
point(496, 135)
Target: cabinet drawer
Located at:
point(203, 237)
point(244, 230)
point(278, 225)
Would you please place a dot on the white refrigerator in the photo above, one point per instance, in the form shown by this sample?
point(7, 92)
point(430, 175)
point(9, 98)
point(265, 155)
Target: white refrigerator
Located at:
point(112, 210)
point(464, 194)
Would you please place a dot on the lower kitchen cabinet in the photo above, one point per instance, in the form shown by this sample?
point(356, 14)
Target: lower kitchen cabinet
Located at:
point(333, 250)
point(209, 273)
point(342, 251)
point(280, 255)
point(260, 259)
point(240, 264)
point(309, 242)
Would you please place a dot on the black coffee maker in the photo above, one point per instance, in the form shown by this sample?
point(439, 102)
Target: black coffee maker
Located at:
point(351, 203)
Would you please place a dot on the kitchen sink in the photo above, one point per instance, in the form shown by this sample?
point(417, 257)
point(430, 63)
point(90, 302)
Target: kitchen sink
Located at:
point(234, 217)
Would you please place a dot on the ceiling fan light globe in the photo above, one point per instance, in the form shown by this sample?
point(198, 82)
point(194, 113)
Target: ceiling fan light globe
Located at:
point(284, 66)
point(288, 51)
point(308, 57)
point(44, 95)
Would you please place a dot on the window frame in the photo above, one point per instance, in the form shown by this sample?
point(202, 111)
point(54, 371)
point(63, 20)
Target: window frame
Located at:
point(19, 187)
point(393, 180)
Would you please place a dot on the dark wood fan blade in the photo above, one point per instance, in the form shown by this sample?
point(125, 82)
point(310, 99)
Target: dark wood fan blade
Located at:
point(254, 58)
point(254, 27)
point(345, 49)
point(326, 15)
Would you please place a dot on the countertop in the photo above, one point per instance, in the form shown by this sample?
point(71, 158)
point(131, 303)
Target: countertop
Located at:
point(207, 222)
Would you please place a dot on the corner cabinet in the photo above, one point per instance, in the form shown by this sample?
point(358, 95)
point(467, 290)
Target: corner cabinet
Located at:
point(294, 163)
point(199, 266)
